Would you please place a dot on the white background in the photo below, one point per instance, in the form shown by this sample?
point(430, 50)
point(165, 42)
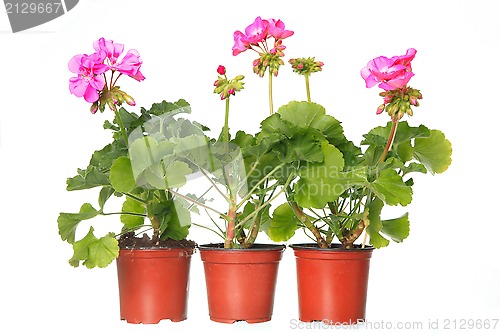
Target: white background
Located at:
point(447, 269)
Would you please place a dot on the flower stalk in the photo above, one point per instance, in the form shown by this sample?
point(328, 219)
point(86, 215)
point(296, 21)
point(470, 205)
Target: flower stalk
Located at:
point(271, 111)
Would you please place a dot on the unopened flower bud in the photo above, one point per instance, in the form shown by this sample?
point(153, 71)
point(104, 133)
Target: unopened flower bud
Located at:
point(221, 70)
point(413, 101)
point(94, 107)
point(231, 91)
point(381, 109)
point(128, 99)
point(111, 105)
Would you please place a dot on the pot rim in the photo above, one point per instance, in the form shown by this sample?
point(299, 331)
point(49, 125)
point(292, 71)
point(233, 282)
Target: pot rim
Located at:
point(255, 247)
point(335, 247)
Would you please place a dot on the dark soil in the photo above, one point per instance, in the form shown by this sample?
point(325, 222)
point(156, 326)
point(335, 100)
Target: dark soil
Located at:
point(217, 246)
point(131, 241)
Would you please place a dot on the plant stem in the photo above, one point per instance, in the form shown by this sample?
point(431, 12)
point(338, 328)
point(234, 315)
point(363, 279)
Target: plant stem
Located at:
point(196, 202)
point(214, 186)
point(114, 83)
point(135, 198)
point(226, 122)
point(271, 92)
point(230, 233)
point(123, 213)
point(122, 129)
point(308, 91)
point(309, 225)
point(390, 141)
point(204, 227)
point(256, 186)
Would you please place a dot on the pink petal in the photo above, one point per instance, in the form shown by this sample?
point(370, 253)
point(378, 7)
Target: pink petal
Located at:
point(91, 94)
point(98, 82)
point(138, 76)
point(77, 86)
point(371, 81)
point(75, 63)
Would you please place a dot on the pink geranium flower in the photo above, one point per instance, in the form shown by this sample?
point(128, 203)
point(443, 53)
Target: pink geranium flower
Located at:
point(389, 73)
point(111, 50)
point(90, 80)
point(276, 28)
point(257, 31)
point(130, 64)
point(240, 45)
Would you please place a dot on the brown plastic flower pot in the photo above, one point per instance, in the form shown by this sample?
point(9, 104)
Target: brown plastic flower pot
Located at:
point(241, 282)
point(153, 284)
point(332, 283)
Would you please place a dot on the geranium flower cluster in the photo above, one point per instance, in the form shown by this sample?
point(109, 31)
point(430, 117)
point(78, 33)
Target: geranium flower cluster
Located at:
point(306, 66)
point(91, 82)
point(225, 87)
point(393, 75)
point(256, 38)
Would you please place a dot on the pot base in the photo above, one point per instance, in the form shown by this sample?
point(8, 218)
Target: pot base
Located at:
point(232, 321)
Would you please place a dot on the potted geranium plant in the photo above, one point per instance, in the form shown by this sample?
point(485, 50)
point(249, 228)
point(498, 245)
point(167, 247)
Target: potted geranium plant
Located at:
point(243, 172)
point(153, 258)
point(340, 195)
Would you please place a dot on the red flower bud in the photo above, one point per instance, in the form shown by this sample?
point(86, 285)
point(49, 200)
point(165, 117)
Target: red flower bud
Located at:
point(413, 100)
point(221, 70)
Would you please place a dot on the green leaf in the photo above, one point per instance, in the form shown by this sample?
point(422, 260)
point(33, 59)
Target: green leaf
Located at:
point(434, 152)
point(398, 229)
point(94, 251)
point(243, 139)
point(313, 115)
point(377, 240)
point(126, 117)
point(102, 252)
point(196, 149)
point(375, 224)
point(378, 136)
point(89, 178)
point(121, 175)
point(105, 193)
point(321, 183)
point(181, 106)
point(171, 176)
point(405, 151)
point(391, 188)
point(132, 206)
point(68, 222)
point(283, 223)
point(273, 128)
point(303, 146)
point(179, 222)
